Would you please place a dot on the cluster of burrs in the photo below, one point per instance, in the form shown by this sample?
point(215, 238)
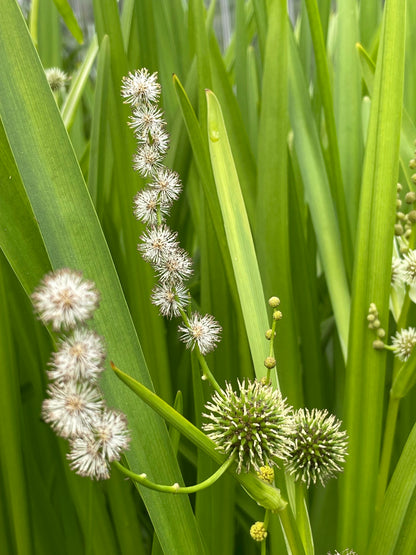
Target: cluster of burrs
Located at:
point(159, 245)
point(75, 407)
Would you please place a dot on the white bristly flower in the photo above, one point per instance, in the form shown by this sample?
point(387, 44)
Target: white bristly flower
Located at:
point(157, 242)
point(203, 331)
point(140, 86)
point(167, 183)
point(174, 267)
point(147, 160)
point(72, 407)
point(65, 299)
point(57, 78)
point(408, 267)
point(79, 357)
point(86, 458)
point(403, 343)
point(396, 272)
point(111, 434)
point(169, 299)
point(146, 204)
point(107, 438)
point(160, 140)
point(146, 119)
point(319, 447)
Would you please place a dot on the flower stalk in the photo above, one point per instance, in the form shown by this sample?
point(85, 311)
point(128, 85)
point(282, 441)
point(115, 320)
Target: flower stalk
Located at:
point(176, 488)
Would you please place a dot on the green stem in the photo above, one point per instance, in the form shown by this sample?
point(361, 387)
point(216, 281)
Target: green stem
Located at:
point(302, 519)
point(388, 440)
point(33, 22)
point(266, 525)
point(291, 531)
point(142, 480)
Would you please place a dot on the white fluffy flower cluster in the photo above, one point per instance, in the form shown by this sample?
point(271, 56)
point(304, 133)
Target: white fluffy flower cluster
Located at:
point(159, 245)
point(75, 407)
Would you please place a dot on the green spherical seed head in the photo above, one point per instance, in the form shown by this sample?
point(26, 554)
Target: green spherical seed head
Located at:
point(270, 362)
point(269, 334)
point(277, 315)
point(378, 345)
point(410, 197)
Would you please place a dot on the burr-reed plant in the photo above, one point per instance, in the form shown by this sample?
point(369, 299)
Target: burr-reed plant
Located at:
point(151, 399)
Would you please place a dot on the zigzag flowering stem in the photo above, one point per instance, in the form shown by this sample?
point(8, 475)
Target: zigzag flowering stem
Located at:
point(176, 488)
point(264, 494)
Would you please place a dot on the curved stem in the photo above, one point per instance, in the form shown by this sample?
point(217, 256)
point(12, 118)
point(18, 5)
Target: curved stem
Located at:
point(175, 488)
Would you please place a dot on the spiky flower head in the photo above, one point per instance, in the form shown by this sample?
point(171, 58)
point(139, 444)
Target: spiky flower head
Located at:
point(57, 78)
point(65, 299)
point(202, 331)
point(319, 446)
point(79, 357)
point(147, 207)
point(408, 268)
point(258, 531)
point(140, 87)
point(254, 423)
point(403, 343)
point(157, 243)
point(168, 184)
point(72, 407)
point(170, 299)
point(147, 160)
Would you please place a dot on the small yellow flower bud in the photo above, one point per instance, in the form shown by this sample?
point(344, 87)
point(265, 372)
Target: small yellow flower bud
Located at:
point(372, 308)
point(398, 203)
point(378, 345)
point(277, 315)
point(371, 317)
point(258, 532)
point(381, 333)
point(376, 324)
point(412, 164)
point(274, 302)
point(269, 334)
point(413, 178)
point(270, 362)
point(266, 473)
point(410, 197)
point(399, 187)
point(400, 215)
point(264, 381)
point(407, 233)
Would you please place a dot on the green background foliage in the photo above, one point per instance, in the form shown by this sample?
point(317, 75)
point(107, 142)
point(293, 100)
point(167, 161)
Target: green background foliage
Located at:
point(289, 141)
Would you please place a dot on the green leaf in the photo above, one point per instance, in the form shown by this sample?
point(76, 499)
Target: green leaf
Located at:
point(78, 84)
point(68, 16)
point(239, 238)
point(317, 192)
point(391, 526)
point(366, 367)
point(73, 238)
